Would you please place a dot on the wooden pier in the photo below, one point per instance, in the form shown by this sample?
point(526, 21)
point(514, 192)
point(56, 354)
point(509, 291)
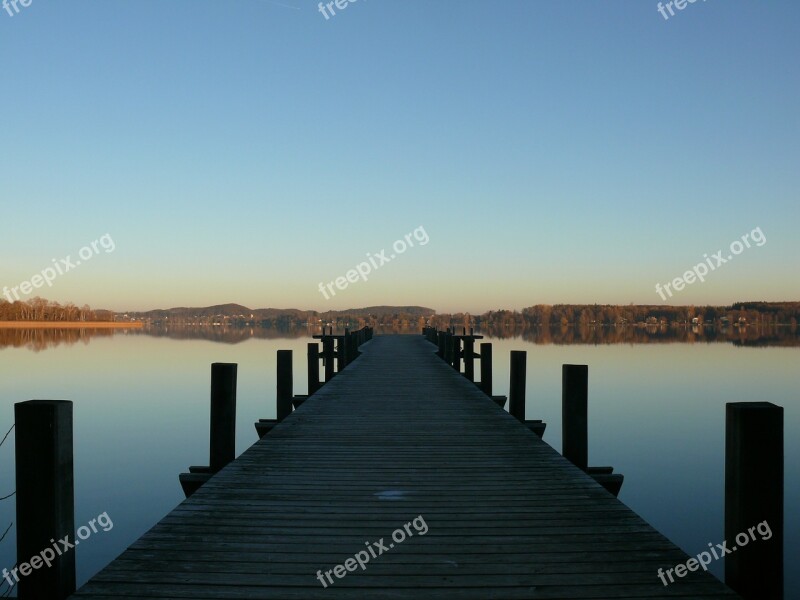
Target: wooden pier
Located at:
point(399, 435)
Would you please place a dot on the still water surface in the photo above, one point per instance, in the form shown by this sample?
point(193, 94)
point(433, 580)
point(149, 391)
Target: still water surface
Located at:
point(141, 417)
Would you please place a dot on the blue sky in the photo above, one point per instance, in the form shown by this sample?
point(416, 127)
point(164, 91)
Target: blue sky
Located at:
point(246, 150)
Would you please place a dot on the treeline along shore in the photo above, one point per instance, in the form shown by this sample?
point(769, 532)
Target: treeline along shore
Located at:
point(739, 314)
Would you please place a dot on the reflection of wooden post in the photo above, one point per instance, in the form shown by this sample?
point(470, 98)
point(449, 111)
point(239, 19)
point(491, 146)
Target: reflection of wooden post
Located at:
point(486, 368)
point(754, 499)
point(574, 414)
point(285, 385)
point(469, 358)
point(313, 368)
point(45, 500)
point(516, 388)
point(223, 415)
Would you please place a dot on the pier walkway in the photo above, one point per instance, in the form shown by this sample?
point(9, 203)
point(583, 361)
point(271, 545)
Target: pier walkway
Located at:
point(399, 441)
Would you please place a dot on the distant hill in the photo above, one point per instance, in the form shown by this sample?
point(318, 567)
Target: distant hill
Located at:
point(275, 316)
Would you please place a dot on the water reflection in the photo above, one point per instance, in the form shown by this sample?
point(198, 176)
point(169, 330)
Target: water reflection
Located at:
point(654, 334)
point(42, 339)
point(755, 336)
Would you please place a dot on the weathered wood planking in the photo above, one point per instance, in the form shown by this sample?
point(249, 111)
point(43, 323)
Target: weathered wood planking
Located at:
point(396, 435)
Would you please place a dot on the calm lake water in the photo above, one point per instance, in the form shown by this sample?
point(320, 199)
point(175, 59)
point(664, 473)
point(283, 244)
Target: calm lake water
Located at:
point(141, 412)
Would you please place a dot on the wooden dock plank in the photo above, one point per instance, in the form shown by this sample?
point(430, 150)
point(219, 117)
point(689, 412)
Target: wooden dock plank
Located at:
point(396, 436)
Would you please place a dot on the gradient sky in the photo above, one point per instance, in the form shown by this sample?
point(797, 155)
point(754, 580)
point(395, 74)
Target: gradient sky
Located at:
point(246, 150)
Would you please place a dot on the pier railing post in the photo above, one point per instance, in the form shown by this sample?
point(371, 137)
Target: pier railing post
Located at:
point(486, 368)
point(516, 388)
point(441, 340)
point(313, 368)
point(285, 391)
point(45, 496)
point(222, 447)
point(469, 358)
point(574, 414)
point(754, 499)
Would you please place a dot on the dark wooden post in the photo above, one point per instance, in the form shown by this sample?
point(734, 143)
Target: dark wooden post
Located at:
point(313, 367)
point(342, 350)
point(440, 341)
point(486, 368)
point(574, 414)
point(327, 353)
point(448, 346)
point(456, 354)
point(516, 388)
point(45, 497)
point(223, 415)
point(469, 358)
point(754, 499)
point(285, 383)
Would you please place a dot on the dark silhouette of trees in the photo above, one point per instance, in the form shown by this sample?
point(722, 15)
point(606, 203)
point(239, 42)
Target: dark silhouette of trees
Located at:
point(39, 309)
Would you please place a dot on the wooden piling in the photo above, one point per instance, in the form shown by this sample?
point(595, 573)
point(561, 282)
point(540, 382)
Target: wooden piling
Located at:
point(455, 355)
point(342, 351)
point(469, 358)
point(327, 353)
point(486, 368)
point(754, 499)
point(285, 385)
point(222, 447)
point(313, 368)
point(516, 388)
point(574, 414)
point(45, 496)
point(352, 347)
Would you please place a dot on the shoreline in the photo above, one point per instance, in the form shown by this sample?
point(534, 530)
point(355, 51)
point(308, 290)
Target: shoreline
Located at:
point(68, 325)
